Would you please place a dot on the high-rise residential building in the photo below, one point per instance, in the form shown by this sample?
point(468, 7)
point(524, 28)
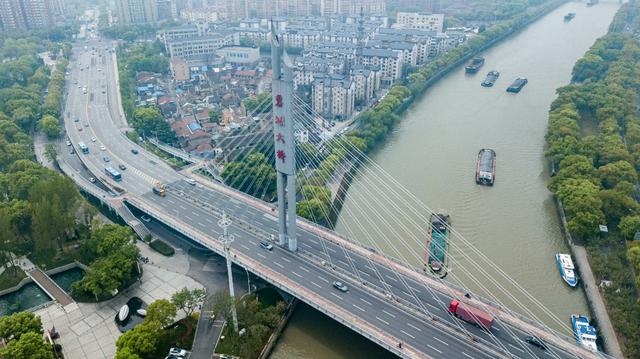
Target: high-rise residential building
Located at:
point(137, 11)
point(420, 21)
point(242, 9)
point(21, 15)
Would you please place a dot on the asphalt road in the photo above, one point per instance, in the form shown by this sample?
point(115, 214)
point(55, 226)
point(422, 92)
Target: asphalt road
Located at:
point(404, 318)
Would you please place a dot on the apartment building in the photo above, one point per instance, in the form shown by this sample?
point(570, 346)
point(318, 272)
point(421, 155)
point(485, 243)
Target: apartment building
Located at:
point(333, 97)
point(420, 21)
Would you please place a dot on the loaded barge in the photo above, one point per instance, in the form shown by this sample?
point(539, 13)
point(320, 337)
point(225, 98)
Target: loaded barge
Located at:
point(435, 258)
point(475, 65)
point(486, 167)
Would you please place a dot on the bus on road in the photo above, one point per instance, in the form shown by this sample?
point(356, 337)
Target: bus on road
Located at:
point(113, 173)
point(83, 147)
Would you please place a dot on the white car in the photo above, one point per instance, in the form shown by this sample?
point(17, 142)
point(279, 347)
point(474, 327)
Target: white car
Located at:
point(178, 352)
point(93, 139)
point(190, 181)
point(68, 143)
point(102, 148)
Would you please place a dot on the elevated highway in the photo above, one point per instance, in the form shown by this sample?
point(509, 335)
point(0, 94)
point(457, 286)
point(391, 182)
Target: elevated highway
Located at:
point(392, 304)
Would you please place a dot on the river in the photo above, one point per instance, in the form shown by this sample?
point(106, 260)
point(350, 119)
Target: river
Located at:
point(432, 153)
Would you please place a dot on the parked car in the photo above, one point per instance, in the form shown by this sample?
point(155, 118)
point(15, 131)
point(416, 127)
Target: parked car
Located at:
point(102, 148)
point(93, 139)
point(341, 286)
point(266, 245)
point(178, 352)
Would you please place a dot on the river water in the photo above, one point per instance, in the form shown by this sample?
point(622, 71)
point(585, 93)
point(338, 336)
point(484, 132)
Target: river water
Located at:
point(433, 154)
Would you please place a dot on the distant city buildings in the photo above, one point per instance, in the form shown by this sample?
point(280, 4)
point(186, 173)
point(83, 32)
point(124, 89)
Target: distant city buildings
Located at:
point(23, 15)
point(239, 9)
point(420, 21)
point(137, 11)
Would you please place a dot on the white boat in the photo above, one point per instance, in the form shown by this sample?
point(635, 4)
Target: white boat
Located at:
point(142, 312)
point(584, 332)
point(567, 270)
point(124, 313)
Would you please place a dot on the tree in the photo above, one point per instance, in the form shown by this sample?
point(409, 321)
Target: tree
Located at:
point(613, 173)
point(629, 225)
point(187, 300)
point(125, 353)
point(259, 104)
point(29, 346)
point(161, 311)
point(51, 152)
point(15, 325)
point(50, 126)
point(214, 116)
point(140, 341)
point(149, 121)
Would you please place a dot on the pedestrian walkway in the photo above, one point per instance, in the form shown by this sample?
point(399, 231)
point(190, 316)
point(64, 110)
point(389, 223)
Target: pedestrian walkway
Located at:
point(50, 287)
point(133, 222)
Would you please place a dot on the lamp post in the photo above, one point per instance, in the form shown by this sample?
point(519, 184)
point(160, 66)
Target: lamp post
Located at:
point(226, 241)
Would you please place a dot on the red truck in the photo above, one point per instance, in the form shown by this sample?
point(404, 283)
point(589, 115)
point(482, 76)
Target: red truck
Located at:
point(471, 314)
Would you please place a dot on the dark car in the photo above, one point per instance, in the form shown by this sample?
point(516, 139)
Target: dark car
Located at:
point(340, 286)
point(266, 245)
point(122, 167)
point(535, 341)
point(134, 151)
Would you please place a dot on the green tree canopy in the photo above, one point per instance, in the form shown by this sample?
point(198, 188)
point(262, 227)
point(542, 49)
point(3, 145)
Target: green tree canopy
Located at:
point(140, 341)
point(149, 121)
point(161, 311)
point(30, 346)
point(50, 126)
point(15, 325)
point(188, 299)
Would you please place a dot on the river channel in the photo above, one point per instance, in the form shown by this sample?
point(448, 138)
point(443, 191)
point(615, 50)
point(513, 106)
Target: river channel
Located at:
point(433, 154)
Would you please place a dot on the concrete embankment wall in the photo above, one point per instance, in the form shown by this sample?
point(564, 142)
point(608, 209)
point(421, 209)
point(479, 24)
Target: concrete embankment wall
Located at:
point(594, 298)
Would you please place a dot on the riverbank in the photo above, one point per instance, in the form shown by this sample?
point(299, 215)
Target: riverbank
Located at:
point(597, 175)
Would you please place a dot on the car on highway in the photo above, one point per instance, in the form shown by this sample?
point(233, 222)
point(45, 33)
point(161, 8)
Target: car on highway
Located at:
point(340, 286)
point(68, 143)
point(145, 218)
point(134, 151)
point(79, 129)
point(535, 341)
point(86, 124)
point(102, 148)
point(92, 180)
point(76, 120)
point(190, 181)
point(93, 139)
point(122, 167)
point(181, 353)
point(266, 245)
point(106, 158)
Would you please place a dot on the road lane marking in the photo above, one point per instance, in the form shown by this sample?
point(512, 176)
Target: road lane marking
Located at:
point(323, 279)
point(516, 348)
point(343, 262)
point(441, 341)
point(467, 355)
point(407, 334)
point(365, 273)
point(389, 314)
point(414, 327)
point(278, 264)
point(439, 351)
point(306, 245)
point(364, 300)
point(286, 259)
point(382, 320)
point(331, 249)
point(201, 224)
point(393, 279)
point(296, 274)
point(316, 284)
point(245, 247)
point(261, 255)
point(359, 308)
point(189, 218)
point(304, 269)
point(335, 295)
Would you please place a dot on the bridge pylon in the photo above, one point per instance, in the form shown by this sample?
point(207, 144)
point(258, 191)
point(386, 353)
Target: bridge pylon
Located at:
point(284, 140)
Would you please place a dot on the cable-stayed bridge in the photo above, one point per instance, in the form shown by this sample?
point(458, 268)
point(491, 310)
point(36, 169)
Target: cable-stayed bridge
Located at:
point(390, 300)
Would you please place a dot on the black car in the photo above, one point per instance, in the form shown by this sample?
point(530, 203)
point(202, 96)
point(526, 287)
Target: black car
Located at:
point(535, 341)
point(134, 151)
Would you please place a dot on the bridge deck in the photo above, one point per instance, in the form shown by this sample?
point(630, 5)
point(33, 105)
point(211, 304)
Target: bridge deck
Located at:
point(50, 287)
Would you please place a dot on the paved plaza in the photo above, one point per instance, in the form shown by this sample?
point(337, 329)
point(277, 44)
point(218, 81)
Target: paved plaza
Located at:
point(90, 331)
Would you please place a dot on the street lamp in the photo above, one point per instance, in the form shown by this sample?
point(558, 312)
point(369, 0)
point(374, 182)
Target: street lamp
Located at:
point(226, 241)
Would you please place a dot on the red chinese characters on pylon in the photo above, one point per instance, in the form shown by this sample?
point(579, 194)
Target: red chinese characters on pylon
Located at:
point(281, 155)
point(278, 100)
